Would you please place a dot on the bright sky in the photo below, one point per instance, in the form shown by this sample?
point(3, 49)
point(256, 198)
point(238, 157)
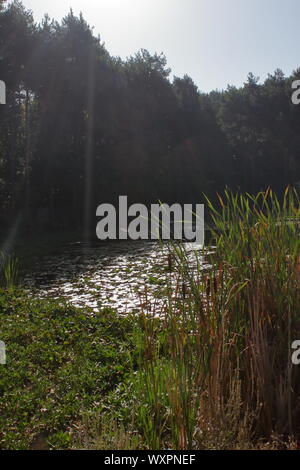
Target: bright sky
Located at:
point(216, 42)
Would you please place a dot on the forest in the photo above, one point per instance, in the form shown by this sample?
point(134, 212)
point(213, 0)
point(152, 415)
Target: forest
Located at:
point(82, 127)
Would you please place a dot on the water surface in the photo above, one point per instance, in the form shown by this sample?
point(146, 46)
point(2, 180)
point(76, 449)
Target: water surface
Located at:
point(121, 275)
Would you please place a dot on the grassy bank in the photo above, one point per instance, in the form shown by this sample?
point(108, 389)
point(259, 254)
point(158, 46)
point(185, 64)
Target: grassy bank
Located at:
point(60, 362)
point(210, 369)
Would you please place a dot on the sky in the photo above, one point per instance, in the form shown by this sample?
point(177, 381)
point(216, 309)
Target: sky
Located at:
point(216, 42)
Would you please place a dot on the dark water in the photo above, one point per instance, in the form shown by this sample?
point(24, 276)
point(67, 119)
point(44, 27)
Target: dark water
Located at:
point(120, 275)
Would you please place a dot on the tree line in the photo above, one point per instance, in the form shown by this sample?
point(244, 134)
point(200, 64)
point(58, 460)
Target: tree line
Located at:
point(82, 127)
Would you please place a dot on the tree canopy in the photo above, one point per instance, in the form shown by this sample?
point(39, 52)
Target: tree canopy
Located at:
point(81, 127)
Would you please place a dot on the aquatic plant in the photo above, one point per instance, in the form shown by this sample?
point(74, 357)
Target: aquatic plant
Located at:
point(217, 368)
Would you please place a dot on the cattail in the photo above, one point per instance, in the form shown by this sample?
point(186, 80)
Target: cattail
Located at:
point(170, 262)
point(215, 285)
point(297, 269)
point(207, 286)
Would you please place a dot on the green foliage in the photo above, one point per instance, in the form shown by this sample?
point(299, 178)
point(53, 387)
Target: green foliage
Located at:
point(215, 370)
point(10, 270)
point(60, 361)
point(210, 368)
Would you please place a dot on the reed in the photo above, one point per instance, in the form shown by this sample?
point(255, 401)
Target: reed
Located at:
point(9, 270)
point(216, 369)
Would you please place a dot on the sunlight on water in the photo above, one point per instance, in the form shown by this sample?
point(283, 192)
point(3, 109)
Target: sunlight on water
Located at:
point(115, 275)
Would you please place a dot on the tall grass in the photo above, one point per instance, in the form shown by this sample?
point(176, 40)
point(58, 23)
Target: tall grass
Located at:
point(216, 369)
point(9, 270)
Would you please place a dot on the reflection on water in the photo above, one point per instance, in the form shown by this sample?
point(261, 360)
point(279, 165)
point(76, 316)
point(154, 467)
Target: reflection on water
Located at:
point(98, 275)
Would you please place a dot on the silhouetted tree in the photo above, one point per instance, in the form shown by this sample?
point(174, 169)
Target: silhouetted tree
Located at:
point(81, 127)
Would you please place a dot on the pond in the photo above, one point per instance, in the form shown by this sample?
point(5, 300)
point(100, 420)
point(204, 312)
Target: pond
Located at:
point(120, 275)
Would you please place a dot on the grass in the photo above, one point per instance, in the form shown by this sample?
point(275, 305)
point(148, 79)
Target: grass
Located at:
point(219, 373)
point(211, 369)
point(9, 269)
